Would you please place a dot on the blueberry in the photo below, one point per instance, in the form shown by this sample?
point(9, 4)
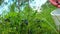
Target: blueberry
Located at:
point(25, 21)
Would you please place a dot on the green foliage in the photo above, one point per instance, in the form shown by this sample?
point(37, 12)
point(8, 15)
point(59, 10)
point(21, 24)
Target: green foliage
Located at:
point(28, 22)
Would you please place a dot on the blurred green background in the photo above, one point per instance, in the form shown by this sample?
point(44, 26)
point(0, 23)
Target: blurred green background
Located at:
point(28, 21)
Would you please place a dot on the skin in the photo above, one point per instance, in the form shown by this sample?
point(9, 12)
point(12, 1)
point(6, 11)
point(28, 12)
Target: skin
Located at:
point(58, 0)
point(55, 3)
point(59, 5)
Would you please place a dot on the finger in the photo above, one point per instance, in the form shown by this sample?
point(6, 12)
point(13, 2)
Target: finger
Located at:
point(58, 6)
point(53, 2)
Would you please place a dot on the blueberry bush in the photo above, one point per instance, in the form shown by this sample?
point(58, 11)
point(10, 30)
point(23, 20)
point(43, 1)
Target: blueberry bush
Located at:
point(28, 21)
